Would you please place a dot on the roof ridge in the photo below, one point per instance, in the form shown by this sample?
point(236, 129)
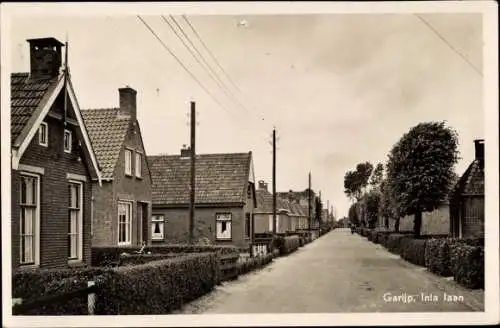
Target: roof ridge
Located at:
point(204, 154)
point(99, 109)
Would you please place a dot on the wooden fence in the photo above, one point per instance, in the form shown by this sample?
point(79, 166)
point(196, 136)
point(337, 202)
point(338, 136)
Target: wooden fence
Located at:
point(20, 307)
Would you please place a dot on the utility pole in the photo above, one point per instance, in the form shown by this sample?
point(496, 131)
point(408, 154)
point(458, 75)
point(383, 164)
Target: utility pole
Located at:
point(274, 181)
point(193, 172)
point(309, 201)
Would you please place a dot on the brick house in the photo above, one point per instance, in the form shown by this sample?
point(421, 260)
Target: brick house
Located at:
point(302, 198)
point(53, 165)
point(122, 205)
point(224, 199)
point(264, 212)
point(467, 202)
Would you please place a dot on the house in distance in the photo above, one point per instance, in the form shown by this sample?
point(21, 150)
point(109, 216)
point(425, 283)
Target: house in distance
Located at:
point(224, 198)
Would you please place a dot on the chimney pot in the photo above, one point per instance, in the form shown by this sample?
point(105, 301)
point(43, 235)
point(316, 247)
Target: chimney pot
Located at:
point(45, 58)
point(479, 149)
point(185, 152)
point(262, 185)
point(128, 101)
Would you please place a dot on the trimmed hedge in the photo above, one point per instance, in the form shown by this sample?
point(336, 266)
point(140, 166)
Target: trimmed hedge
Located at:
point(413, 250)
point(33, 284)
point(157, 287)
point(468, 265)
point(394, 242)
point(437, 256)
point(137, 259)
point(106, 255)
point(254, 263)
point(289, 244)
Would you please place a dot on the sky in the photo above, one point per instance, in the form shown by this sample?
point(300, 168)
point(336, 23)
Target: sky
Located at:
point(340, 89)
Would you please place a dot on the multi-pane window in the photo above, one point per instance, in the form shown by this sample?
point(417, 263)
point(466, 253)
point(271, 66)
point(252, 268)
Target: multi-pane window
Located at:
point(247, 225)
point(75, 221)
point(43, 134)
point(29, 217)
point(158, 222)
point(223, 225)
point(124, 223)
point(138, 165)
point(67, 141)
point(128, 162)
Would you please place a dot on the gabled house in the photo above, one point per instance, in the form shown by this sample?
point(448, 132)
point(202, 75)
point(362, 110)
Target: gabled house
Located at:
point(467, 201)
point(122, 205)
point(302, 198)
point(53, 165)
point(264, 212)
point(224, 198)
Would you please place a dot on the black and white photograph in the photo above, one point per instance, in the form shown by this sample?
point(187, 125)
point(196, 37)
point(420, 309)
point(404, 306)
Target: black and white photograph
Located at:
point(249, 164)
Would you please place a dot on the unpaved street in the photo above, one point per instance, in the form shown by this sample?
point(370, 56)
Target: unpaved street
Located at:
point(339, 272)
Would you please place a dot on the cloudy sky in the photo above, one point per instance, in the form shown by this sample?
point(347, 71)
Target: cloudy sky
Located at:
point(339, 88)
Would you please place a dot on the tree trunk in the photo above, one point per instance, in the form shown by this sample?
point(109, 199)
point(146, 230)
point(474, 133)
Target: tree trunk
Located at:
point(417, 223)
point(386, 223)
point(396, 225)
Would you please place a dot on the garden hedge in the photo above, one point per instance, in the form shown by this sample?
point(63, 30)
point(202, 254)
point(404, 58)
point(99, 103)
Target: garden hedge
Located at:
point(468, 265)
point(31, 285)
point(157, 287)
point(394, 242)
point(413, 250)
point(105, 255)
point(254, 263)
point(289, 244)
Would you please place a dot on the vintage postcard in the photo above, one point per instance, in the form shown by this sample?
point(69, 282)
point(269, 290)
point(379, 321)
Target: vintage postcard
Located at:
point(249, 164)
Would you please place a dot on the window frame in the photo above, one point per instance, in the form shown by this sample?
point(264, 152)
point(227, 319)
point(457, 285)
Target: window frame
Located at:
point(155, 220)
point(248, 225)
point(230, 220)
point(46, 127)
point(128, 237)
point(79, 222)
point(129, 172)
point(138, 168)
point(70, 141)
point(36, 221)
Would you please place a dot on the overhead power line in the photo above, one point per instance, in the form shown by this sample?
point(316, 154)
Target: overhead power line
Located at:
point(440, 36)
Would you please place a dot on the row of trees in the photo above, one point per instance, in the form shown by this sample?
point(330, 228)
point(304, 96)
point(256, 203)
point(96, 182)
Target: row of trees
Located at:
point(417, 178)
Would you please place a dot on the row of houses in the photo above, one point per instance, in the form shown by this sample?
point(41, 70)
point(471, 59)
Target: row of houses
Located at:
point(82, 178)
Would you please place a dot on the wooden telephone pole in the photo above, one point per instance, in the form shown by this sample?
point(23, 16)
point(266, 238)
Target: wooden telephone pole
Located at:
point(193, 173)
point(274, 181)
point(309, 201)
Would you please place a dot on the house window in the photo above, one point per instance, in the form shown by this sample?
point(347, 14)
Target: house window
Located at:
point(128, 162)
point(247, 225)
point(75, 233)
point(223, 226)
point(29, 218)
point(138, 165)
point(124, 223)
point(67, 141)
point(43, 134)
point(158, 222)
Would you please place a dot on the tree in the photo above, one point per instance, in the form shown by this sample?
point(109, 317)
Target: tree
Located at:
point(353, 215)
point(356, 181)
point(421, 167)
point(377, 175)
point(371, 204)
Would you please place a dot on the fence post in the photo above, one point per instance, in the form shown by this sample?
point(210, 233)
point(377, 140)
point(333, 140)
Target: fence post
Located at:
point(91, 298)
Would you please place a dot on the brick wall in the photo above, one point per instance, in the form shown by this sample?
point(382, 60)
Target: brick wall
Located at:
point(473, 217)
point(54, 198)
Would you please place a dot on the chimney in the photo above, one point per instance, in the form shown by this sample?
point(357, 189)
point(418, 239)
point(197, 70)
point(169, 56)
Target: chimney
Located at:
point(185, 152)
point(128, 103)
point(45, 58)
point(262, 185)
point(479, 147)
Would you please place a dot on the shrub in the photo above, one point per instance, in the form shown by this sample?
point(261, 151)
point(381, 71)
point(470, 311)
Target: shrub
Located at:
point(468, 265)
point(413, 250)
point(289, 244)
point(137, 259)
point(157, 287)
point(254, 263)
point(394, 243)
point(438, 257)
point(105, 255)
point(34, 284)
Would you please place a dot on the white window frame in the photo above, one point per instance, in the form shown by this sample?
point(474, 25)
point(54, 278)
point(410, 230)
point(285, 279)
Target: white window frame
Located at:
point(128, 160)
point(138, 165)
point(128, 233)
point(69, 134)
point(36, 222)
point(158, 219)
point(79, 233)
point(223, 217)
point(44, 126)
